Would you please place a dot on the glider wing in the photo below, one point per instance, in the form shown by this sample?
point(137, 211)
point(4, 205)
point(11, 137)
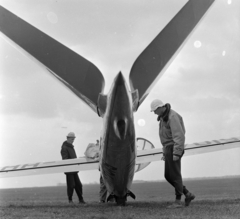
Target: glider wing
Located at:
point(70, 165)
point(156, 154)
point(211, 146)
point(144, 157)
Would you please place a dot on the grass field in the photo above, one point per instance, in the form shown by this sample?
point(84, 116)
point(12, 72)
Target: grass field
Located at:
point(215, 198)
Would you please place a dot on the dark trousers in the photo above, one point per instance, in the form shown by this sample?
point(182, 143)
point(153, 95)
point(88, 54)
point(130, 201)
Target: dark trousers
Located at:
point(173, 173)
point(103, 190)
point(73, 182)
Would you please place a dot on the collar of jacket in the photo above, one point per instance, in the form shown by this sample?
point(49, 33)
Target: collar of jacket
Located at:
point(65, 143)
point(164, 117)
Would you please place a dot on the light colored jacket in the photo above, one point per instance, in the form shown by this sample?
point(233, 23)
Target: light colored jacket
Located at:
point(172, 133)
point(92, 151)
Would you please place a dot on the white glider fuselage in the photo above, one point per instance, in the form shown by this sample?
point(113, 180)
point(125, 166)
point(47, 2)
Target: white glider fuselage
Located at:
point(118, 140)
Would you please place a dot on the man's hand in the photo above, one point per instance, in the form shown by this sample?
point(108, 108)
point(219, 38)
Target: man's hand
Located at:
point(175, 158)
point(163, 158)
point(96, 156)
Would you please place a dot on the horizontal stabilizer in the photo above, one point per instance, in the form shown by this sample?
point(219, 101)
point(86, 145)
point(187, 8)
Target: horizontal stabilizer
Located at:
point(78, 74)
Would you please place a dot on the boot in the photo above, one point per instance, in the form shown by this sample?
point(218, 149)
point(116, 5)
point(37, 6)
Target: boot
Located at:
point(189, 198)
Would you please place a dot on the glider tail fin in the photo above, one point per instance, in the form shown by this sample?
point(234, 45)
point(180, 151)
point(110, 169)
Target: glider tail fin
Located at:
point(152, 62)
point(81, 76)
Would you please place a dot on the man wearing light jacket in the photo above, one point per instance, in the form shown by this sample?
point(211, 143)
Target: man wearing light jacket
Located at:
point(172, 137)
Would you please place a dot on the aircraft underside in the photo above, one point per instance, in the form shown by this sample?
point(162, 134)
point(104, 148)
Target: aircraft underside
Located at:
point(118, 142)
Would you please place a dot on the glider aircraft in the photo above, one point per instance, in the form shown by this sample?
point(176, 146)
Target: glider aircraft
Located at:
point(119, 158)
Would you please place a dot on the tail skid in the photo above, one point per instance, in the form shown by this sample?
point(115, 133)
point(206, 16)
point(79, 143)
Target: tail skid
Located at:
point(121, 200)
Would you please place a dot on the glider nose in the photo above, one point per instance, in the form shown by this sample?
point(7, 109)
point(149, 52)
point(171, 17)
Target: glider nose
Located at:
point(120, 128)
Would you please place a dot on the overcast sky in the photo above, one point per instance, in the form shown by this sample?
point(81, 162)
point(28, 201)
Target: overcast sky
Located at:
point(202, 83)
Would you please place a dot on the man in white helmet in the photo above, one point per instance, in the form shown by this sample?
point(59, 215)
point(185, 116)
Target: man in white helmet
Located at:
point(73, 181)
point(172, 137)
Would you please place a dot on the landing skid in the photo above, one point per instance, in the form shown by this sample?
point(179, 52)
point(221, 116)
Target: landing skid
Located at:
point(121, 201)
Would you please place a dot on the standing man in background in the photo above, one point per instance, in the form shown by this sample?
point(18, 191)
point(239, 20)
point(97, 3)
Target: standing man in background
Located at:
point(73, 181)
point(172, 137)
point(93, 151)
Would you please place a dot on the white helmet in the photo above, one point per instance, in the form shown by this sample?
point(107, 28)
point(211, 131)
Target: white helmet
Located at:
point(71, 135)
point(155, 104)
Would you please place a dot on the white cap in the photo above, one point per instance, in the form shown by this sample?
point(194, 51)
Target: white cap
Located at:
point(155, 104)
point(71, 135)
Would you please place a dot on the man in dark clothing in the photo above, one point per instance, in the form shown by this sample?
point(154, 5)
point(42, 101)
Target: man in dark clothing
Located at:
point(73, 181)
point(172, 136)
point(93, 151)
point(103, 191)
